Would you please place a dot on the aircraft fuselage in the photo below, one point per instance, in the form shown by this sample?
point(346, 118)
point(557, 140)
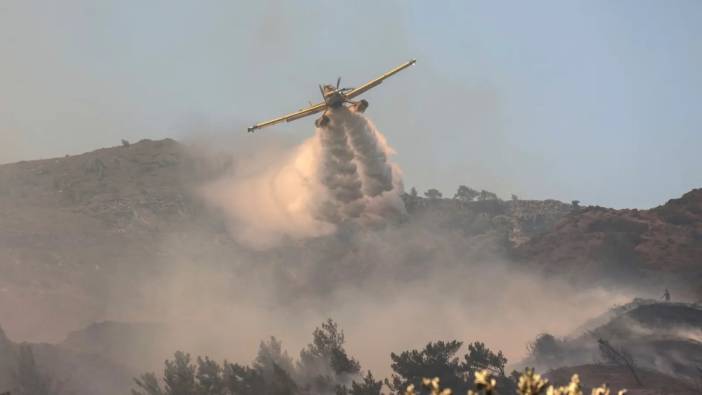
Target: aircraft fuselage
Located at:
point(333, 97)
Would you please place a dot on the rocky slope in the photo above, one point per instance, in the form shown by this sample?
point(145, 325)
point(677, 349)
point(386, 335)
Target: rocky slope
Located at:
point(73, 228)
point(666, 240)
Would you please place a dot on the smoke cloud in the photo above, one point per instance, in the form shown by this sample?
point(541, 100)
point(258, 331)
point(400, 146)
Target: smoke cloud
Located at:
point(306, 219)
point(340, 176)
point(339, 173)
point(371, 151)
point(390, 289)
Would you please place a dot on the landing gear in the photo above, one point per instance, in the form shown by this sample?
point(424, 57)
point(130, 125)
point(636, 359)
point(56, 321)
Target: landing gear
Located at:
point(353, 106)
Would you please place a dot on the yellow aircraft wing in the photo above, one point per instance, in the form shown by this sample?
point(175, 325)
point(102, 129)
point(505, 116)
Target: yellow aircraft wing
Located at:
point(291, 117)
point(372, 84)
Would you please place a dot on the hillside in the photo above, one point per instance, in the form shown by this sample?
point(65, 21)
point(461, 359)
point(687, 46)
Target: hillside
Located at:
point(666, 240)
point(660, 337)
point(69, 224)
point(517, 220)
point(82, 228)
point(99, 236)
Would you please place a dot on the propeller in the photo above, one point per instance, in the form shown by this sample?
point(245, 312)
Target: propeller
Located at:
point(338, 81)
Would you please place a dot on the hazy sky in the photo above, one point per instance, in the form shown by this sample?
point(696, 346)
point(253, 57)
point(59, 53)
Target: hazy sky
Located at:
point(597, 101)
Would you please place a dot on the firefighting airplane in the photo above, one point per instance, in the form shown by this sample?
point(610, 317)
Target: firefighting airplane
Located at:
point(334, 97)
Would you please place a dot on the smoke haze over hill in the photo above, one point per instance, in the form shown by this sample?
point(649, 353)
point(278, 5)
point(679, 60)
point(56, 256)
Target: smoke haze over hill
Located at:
point(319, 230)
point(186, 238)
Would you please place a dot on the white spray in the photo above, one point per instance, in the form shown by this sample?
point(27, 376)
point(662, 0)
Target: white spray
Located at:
point(340, 175)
